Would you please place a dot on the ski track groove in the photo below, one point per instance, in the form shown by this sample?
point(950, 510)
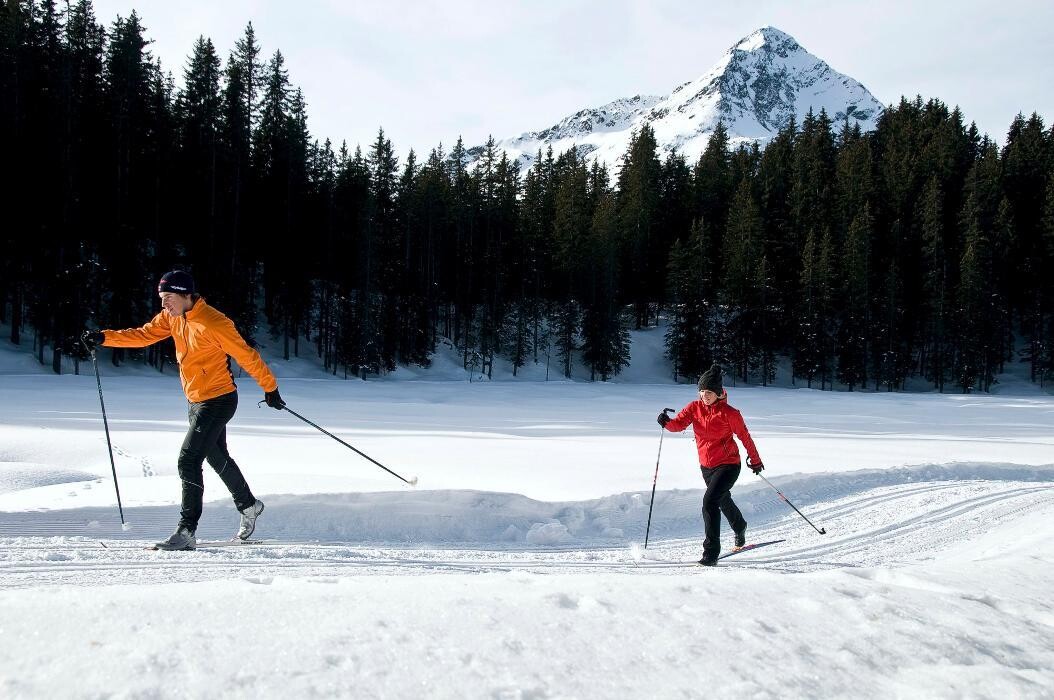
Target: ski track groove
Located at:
point(891, 531)
point(876, 534)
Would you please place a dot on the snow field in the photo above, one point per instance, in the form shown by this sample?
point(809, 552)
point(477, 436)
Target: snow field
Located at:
point(514, 570)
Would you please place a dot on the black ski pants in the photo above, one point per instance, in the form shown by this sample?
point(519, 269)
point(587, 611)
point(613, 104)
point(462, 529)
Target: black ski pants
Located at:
point(717, 500)
point(207, 439)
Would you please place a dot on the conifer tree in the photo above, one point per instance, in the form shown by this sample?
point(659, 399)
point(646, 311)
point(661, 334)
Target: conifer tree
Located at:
point(198, 114)
point(977, 340)
point(644, 250)
point(130, 84)
point(739, 265)
point(605, 338)
point(780, 238)
point(935, 284)
point(712, 179)
point(1047, 249)
point(690, 337)
point(271, 171)
point(1026, 163)
point(855, 326)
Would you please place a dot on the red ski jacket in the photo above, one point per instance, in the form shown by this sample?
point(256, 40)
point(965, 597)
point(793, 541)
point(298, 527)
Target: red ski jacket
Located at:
point(714, 427)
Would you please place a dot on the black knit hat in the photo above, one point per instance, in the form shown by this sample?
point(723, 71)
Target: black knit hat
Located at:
point(177, 282)
point(711, 380)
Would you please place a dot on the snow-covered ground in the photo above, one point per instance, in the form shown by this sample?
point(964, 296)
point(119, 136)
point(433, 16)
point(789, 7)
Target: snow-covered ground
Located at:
point(514, 569)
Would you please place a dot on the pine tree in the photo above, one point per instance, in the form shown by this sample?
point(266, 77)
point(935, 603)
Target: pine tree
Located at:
point(301, 262)
point(1047, 292)
point(807, 361)
point(270, 154)
point(935, 284)
point(83, 205)
point(978, 341)
point(690, 338)
point(741, 258)
point(131, 87)
point(198, 114)
point(243, 77)
point(571, 228)
point(1026, 166)
point(638, 202)
point(605, 338)
point(855, 325)
point(676, 195)
point(780, 236)
point(536, 221)
point(713, 183)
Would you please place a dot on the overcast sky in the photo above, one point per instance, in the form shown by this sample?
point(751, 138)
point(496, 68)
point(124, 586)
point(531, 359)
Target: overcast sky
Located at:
point(429, 71)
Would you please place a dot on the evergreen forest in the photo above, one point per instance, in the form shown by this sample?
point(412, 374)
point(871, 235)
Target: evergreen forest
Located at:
point(856, 261)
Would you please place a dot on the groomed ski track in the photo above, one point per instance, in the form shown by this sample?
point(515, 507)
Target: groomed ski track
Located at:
point(885, 526)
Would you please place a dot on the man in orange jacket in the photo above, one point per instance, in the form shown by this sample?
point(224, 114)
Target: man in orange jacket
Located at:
point(205, 341)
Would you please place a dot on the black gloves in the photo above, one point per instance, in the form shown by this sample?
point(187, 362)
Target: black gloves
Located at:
point(274, 399)
point(663, 419)
point(93, 339)
point(757, 467)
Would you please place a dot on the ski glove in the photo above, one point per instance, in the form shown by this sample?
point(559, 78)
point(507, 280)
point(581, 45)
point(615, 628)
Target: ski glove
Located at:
point(93, 339)
point(663, 419)
point(757, 467)
point(274, 400)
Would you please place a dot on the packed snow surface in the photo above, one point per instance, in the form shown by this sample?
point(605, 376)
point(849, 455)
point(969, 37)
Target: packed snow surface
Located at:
point(516, 568)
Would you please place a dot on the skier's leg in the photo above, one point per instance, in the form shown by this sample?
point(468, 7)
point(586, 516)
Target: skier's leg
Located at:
point(728, 506)
point(711, 515)
point(207, 420)
point(718, 483)
point(227, 469)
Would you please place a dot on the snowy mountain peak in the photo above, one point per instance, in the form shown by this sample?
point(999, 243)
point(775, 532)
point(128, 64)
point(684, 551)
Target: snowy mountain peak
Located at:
point(755, 88)
point(766, 36)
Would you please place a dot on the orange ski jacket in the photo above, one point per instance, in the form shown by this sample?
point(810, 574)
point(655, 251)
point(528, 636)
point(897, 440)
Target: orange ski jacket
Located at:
point(714, 427)
point(204, 339)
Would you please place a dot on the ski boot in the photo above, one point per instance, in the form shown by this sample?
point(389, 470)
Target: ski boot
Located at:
point(248, 523)
point(708, 560)
point(182, 539)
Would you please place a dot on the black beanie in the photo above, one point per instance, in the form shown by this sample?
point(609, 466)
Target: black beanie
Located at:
point(711, 380)
point(177, 282)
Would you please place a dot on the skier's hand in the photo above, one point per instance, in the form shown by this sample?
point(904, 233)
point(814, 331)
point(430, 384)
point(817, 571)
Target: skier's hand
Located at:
point(92, 339)
point(274, 400)
point(756, 467)
point(663, 419)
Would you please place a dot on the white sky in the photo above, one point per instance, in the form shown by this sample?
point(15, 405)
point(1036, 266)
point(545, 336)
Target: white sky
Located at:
point(429, 71)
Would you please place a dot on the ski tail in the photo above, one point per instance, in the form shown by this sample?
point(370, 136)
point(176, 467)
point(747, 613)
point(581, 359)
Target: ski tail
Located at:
point(749, 547)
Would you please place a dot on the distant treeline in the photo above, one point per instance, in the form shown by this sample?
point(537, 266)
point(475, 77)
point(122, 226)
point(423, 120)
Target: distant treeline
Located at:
point(920, 249)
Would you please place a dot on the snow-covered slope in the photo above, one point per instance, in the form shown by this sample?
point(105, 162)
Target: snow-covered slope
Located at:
point(515, 569)
point(756, 87)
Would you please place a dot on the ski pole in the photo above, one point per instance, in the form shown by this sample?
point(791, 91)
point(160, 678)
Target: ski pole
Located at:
point(655, 480)
point(106, 427)
point(822, 531)
point(412, 481)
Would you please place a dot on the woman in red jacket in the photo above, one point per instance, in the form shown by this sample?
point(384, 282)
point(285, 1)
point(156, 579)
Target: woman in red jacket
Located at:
point(715, 422)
